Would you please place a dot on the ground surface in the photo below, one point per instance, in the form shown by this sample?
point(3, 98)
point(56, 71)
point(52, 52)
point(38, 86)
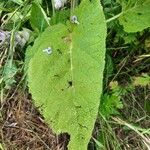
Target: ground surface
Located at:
point(22, 127)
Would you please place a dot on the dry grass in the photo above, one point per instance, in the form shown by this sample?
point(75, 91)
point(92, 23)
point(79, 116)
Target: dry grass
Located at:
point(22, 127)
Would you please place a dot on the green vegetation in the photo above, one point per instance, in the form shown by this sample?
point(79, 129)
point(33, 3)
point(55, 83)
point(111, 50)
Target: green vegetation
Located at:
point(75, 74)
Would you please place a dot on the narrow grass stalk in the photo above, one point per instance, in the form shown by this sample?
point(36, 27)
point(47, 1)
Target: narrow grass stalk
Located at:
point(114, 17)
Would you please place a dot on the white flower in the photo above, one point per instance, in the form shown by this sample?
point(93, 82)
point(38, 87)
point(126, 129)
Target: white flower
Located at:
point(59, 3)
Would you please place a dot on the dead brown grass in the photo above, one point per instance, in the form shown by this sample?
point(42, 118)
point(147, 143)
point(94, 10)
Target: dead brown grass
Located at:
point(23, 128)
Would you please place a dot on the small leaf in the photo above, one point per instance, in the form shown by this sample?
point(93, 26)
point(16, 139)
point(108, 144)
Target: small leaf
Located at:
point(8, 74)
point(113, 85)
point(98, 144)
point(110, 105)
point(136, 17)
point(67, 84)
point(39, 21)
point(142, 80)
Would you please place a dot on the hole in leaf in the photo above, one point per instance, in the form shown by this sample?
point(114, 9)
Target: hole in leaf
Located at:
point(70, 83)
point(139, 14)
point(56, 75)
point(78, 106)
point(59, 51)
point(64, 139)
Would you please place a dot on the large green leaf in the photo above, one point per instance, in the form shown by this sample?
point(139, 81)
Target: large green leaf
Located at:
point(67, 83)
point(136, 15)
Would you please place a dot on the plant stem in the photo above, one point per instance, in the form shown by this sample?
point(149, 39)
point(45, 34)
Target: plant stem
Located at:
point(73, 3)
point(53, 8)
point(114, 17)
